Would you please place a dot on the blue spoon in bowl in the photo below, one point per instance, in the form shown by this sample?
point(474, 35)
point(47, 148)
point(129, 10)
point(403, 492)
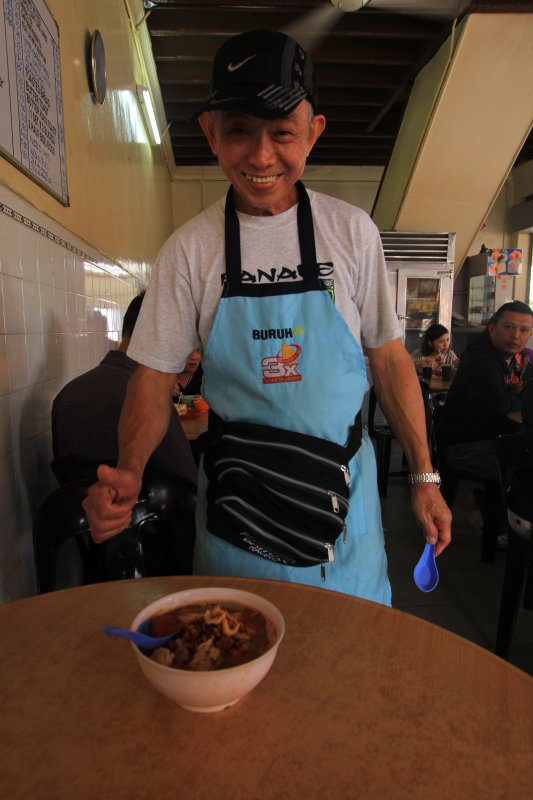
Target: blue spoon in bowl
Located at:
point(138, 637)
point(426, 574)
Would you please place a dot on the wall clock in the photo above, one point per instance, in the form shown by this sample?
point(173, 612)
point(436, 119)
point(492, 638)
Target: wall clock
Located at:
point(97, 72)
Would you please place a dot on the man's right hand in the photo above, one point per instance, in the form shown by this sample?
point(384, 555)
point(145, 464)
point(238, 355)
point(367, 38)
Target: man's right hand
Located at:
point(109, 502)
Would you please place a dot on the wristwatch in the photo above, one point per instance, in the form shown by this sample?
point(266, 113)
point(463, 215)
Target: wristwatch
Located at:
point(424, 477)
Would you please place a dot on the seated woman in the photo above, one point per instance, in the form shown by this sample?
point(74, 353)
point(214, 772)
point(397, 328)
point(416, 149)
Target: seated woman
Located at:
point(435, 350)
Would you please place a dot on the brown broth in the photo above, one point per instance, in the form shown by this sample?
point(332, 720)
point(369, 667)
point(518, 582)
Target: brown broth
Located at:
point(211, 636)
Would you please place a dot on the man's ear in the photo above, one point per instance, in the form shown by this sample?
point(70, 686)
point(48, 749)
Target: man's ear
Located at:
point(207, 124)
point(316, 129)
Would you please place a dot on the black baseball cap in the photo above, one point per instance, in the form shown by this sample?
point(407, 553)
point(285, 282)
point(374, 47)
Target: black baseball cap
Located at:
point(262, 73)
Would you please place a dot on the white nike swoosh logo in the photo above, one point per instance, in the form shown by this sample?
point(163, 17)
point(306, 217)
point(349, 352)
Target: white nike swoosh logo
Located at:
point(233, 67)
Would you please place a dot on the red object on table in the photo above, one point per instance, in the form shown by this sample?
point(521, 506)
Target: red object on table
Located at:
point(200, 405)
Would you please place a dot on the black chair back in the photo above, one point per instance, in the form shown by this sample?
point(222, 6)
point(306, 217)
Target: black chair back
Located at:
point(162, 526)
point(382, 435)
point(515, 452)
point(433, 406)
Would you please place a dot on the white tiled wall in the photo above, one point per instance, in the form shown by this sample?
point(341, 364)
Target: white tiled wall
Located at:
point(61, 309)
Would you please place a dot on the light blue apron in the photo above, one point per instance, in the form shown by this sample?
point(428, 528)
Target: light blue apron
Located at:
point(282, 355)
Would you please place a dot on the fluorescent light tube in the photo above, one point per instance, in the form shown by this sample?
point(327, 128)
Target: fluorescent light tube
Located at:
point(146, 100)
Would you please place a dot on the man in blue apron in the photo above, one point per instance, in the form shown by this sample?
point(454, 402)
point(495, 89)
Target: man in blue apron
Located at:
point(282, 288)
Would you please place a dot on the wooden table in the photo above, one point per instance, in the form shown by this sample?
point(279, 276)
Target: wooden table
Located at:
point(362, 702)
point(436, 384)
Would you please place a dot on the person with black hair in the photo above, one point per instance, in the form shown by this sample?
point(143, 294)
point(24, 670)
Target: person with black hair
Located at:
point(85, 419)
point(488, 383)
point(520, 496)
point(285, 289)
point(486, 389)
point(86, 412)
point(435, 350)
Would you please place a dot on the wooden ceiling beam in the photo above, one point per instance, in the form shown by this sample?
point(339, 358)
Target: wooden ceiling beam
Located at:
point(334, 97)
point(349, 51)
point(177, 112)
point(328, 75)
point(216, 22)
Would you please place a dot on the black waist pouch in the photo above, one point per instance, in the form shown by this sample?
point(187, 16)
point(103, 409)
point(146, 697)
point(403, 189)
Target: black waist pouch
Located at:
point(281, 495)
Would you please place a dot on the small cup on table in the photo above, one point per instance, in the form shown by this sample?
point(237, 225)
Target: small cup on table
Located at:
point(447, 373)
point(427, 372)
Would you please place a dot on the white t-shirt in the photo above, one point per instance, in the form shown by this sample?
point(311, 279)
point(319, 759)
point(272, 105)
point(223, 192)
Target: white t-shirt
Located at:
point(184, 291)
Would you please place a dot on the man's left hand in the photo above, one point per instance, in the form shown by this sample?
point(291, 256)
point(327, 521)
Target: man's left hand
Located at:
point(433, 515)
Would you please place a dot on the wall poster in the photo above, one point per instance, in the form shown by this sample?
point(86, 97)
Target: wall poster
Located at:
point(31, 109)
point(505, 262)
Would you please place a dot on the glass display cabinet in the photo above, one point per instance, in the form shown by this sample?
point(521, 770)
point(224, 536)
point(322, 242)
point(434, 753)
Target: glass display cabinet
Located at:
point(486, 292)
point(420, 270)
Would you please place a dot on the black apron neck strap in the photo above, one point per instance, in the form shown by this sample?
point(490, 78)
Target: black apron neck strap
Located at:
point(306, 235)
point(306, 238)
point(232, 241)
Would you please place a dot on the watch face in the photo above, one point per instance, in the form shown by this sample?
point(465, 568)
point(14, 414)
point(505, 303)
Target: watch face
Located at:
point(97, 68)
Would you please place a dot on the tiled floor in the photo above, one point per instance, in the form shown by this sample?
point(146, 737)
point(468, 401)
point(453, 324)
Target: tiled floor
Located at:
point(467, 599)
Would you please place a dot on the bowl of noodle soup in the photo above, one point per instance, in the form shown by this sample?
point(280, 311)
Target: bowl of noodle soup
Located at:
point(226, 643)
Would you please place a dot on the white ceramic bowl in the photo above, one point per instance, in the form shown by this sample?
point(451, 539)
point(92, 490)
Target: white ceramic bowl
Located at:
point(215, 689)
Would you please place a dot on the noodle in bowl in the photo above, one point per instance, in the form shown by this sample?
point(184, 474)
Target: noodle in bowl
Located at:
point(210, 690)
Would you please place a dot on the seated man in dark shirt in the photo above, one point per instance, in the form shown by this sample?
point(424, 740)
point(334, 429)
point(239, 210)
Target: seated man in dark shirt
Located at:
point(488, 383)
point(486, 388)
point(520, 495)
point(85, 417)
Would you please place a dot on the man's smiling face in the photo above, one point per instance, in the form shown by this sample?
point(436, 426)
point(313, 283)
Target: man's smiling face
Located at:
point(263, 159)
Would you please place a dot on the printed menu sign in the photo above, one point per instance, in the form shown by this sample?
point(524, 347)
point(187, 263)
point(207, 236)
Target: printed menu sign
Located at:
point(31, 111)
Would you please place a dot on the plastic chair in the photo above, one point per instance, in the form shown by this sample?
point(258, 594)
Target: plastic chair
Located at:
point(162, 520)
point(515, 451)
point(382, 434)
point(433, 404)
point(492, 510)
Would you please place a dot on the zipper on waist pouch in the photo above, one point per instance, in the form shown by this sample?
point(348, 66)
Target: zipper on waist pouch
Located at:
point(289, 500)
point(331, 558)
point(282, 446)
point(253, 511)
point(327, 547)
point(332, 497)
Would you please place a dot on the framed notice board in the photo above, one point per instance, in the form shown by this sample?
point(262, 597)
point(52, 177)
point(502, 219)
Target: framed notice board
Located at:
point(31, 109)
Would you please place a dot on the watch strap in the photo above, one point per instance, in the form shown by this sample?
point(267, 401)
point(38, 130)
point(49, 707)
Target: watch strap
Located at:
point(424, 477)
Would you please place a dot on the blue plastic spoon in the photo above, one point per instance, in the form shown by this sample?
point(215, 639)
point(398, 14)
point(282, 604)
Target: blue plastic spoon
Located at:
point(142, 640)
point(426, 574)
